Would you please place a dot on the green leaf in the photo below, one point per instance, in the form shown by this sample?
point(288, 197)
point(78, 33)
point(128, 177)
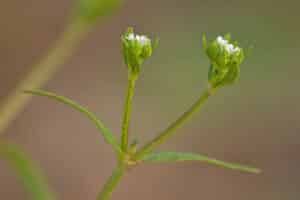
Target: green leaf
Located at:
point(177, 156)
point(27, 171)
point(107, 134)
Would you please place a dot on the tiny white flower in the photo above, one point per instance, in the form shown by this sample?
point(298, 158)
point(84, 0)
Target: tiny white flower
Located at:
point(231, 49)
point(221, 41)
point(143, 40)
point(131, 36)
point(136, 49)
point(227, 46)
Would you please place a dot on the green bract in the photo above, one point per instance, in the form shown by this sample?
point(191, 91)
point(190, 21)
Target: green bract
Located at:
point(225, 59)
point(136, 49)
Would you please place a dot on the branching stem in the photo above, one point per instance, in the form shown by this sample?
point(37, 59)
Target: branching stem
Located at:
point(167, 133)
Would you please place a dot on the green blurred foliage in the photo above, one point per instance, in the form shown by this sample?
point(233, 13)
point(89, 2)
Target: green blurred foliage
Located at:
point(27, 171)
point(91, 10)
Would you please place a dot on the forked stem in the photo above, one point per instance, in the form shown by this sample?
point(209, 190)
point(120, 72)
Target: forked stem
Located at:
point(167, 133)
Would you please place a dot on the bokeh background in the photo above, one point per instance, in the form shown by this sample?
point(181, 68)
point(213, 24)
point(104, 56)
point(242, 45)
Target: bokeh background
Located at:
point(255, 122)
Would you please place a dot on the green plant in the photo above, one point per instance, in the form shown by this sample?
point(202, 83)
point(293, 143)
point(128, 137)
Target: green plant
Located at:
point(225, 59)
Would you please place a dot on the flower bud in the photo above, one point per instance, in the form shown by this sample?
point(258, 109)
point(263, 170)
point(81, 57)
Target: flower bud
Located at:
point(136, 49)
point(225, 60)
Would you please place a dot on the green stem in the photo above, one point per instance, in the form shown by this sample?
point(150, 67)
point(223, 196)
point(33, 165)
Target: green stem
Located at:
point(162, 137)
point(40, 73)
point(111, 183)
point(127, 111)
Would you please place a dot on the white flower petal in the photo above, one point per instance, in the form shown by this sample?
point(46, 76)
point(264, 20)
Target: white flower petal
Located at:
point(221, 41)
point(142, 39)
point(131, 36)
point(227, 46)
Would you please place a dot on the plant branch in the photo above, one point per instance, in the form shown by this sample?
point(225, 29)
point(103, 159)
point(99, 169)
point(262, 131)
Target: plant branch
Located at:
point(167, 133)
point(111, 183)
point(127, 111)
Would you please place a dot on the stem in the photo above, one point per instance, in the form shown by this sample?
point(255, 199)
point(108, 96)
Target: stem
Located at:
point(14, 103)
point(111, 183)
point(163, 136)
point(127, 111)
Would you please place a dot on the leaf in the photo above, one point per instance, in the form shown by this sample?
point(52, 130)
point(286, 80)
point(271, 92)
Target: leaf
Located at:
point(177, 156)
point(107, 134)
point(27, 171)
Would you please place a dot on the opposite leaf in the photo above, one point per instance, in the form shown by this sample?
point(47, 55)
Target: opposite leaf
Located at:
point(107, 134)
point(177, 156)
point(27, 171)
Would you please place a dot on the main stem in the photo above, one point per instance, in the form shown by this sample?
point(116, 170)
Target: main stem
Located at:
point(127, 111)
point(111, 183)
point(162, 137)
point(40, 73)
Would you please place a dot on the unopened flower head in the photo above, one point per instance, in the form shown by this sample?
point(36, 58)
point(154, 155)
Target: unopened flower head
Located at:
point(227, 46)
point(136, 49)
point(225, 58)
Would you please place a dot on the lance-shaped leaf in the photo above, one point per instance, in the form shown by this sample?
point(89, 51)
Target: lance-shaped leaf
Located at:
point(107, 134)
point(177, 156)
point(27, 171)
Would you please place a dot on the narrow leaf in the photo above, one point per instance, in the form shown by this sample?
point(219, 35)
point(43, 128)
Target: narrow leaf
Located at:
point(27, 171)
point(107, 134)
point(176, 156)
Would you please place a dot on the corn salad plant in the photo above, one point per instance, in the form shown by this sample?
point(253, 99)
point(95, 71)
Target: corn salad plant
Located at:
point(225, 56)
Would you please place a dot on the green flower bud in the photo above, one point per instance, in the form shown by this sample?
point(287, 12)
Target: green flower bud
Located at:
point(225, 58)
point(136, 49)
point(90, 10)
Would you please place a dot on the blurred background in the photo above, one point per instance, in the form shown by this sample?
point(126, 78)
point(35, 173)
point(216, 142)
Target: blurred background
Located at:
point(255, 122)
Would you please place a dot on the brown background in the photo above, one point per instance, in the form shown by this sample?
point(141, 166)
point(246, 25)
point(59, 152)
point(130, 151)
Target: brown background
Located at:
point(255, 122)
